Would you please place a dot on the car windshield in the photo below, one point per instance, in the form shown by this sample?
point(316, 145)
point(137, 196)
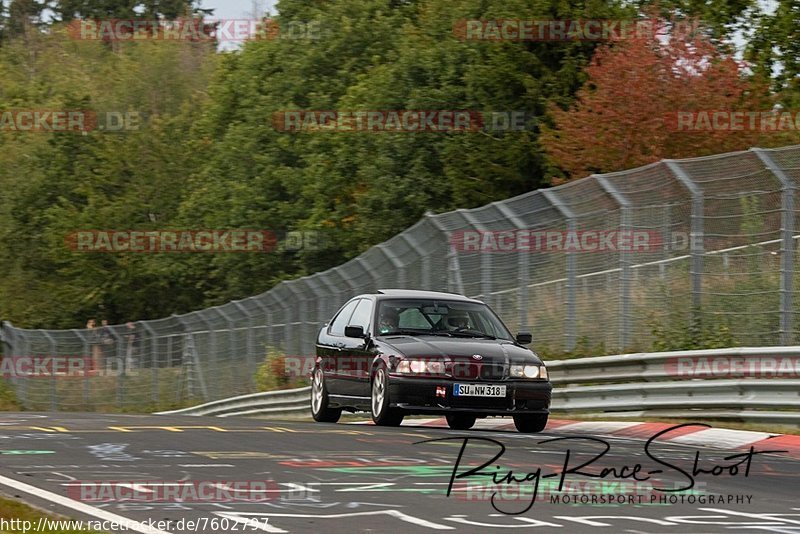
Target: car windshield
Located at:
point(439, 317)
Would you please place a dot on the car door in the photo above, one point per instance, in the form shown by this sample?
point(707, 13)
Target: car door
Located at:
point(360, 352)
point(330, 347)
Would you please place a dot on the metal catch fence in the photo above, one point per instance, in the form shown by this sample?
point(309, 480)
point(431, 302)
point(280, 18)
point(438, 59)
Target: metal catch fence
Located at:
point(612, 263)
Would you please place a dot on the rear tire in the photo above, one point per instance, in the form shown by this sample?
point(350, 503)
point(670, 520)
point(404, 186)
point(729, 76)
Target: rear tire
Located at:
point(531, 422)
point(382, 413)
point(320, 410)
point(460, 421)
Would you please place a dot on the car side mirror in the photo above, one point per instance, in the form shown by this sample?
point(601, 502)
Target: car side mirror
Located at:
point(354, 331)
point(524, 338)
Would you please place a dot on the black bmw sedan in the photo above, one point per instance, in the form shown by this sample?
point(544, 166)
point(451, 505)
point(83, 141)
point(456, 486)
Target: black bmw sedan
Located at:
point(399, 352)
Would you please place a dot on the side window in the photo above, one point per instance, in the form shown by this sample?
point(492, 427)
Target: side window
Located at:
point(362, 315)
point(342, 320)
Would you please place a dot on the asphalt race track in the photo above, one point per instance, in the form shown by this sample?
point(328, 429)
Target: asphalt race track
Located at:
point(361, 478)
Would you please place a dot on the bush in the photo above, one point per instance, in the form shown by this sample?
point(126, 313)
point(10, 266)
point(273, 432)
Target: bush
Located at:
point(703, 332)
point(583, 349)
point(273, 374)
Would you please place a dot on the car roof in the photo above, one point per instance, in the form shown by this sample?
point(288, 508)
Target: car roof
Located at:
point(418, 294)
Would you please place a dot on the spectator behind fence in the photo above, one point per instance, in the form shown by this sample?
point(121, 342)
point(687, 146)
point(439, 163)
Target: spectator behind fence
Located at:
point(94, 343)
point(107, 341)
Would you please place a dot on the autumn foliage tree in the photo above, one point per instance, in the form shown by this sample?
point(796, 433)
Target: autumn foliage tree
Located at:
point(626, 114)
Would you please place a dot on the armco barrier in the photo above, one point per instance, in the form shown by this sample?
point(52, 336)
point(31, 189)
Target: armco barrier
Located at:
point(647, 384)
point(283, 402)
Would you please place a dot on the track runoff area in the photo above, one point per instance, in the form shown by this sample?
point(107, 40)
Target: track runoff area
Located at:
point(155, 474)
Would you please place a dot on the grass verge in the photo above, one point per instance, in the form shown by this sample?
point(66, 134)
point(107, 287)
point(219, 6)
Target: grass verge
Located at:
point(15, 514)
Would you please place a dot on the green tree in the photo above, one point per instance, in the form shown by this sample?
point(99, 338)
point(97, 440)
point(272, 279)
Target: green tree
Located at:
point(55, 184)
point(774, 50)
point(361, 188)
point(22, 16)
point(68, 10)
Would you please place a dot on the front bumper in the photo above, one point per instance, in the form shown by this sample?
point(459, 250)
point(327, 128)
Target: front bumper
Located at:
point(419, 395)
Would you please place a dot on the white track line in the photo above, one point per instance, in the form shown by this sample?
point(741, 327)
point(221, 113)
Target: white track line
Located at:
point(599, 427)
point(721, 438)
point(78, 506)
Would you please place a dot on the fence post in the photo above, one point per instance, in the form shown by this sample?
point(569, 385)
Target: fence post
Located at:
point(298, 308)
point(624, 261)
point(250, 352)
point(787, 243)
point(523, 268)
point(453, 272)
point(153, 361)
point(119, 348)
point(486, 259)
point(267, 330)
point(54, 378)
point(424, 267)
point(696, 244)
point(570, 326)
point(233, 363)
point(373, 276)
point(287, 326)
point(24, 349)
point(328, 304)
point(402, 281)
point(269, 320)
point(198, 367)
point(87, 357)
point(314, 319)
point(425, 273)
point(213, 357)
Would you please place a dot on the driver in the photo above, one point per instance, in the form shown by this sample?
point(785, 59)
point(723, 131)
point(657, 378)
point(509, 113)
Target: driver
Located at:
point(458, 319)
point(388, 320)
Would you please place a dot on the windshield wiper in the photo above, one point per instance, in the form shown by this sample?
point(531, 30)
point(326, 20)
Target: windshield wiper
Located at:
point(402, 332)
point(472, 333)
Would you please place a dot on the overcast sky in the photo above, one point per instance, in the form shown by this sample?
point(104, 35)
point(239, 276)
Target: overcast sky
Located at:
point(237, 9)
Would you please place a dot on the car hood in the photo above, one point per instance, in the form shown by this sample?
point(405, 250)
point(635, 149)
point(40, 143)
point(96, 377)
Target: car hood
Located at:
point(491, 351)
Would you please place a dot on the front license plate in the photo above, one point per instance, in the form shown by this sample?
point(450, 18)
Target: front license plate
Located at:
point(478, 390)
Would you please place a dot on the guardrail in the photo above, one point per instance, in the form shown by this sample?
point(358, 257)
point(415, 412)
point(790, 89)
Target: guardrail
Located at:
point(283, 402)
point(664, 384)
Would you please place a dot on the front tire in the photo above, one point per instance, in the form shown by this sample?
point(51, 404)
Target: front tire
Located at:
point(530, 423)
point(460, 421)
point(320, 410)
point(382, 414)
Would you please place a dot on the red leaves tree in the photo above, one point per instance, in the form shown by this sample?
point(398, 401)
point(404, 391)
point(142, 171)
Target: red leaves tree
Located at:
point(625, 115)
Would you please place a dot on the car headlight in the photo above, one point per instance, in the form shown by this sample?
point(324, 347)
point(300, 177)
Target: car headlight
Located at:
point(421, 367)
point(528, 371)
